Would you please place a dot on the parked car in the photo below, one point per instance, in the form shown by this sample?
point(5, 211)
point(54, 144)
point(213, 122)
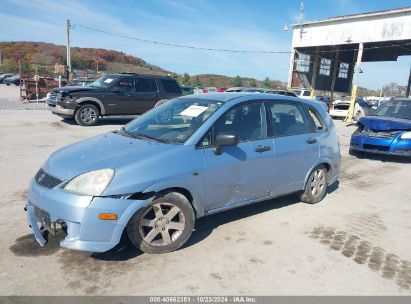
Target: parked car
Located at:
point(3, 77)
point(387, 131)
point(302, 93)
point(15, 79)
point(187, 90)
point(115, 94)
point(193, 156)
point(339, 108)
point(250, 90)
point(283, 92)
point(81, 81)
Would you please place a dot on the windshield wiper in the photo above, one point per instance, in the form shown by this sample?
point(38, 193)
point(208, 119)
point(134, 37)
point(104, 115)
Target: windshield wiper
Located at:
point(141, 136)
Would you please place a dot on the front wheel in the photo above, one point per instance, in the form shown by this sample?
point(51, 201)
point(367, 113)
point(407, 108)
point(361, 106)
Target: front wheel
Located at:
point(87, 115)
point(316, 187)
point(164, 225)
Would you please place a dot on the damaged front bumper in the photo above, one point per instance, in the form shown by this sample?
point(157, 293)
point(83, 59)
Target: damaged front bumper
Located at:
point(79, 213)
point(386, 146)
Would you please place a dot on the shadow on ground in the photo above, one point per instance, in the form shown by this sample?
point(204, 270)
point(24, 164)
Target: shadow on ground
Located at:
point(110, 120)
point(125, 250)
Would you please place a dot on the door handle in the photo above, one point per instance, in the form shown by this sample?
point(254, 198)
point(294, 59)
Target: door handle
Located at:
point(262, 148)
point(311, 140)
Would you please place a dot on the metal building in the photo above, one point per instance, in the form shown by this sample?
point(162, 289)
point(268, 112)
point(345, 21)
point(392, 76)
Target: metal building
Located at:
point(326, 54)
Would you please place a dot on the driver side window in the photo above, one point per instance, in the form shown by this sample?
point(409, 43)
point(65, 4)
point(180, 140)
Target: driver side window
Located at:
point(247, 121)
point(124, 85)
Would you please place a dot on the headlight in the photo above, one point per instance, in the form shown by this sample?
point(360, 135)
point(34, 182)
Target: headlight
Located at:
point(406, 135)
point(91, 183)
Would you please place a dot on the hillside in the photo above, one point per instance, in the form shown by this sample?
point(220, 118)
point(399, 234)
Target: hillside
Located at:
point(46, 55)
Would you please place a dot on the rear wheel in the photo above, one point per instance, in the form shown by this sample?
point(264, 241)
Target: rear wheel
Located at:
point(316, 187)
point(87, 115)
point(163, 226)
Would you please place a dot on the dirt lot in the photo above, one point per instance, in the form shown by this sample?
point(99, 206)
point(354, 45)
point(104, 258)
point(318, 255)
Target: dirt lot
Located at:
point(355, 242)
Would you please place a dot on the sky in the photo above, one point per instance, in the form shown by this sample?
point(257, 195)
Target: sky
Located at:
point(228, 24)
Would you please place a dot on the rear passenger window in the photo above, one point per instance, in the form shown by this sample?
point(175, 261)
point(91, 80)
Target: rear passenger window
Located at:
point(171, 86)
point(288, 119)
point(319, 124)
point(144, 85)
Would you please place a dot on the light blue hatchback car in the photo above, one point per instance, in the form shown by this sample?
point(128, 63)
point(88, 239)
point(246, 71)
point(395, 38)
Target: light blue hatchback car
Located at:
point(190, 157)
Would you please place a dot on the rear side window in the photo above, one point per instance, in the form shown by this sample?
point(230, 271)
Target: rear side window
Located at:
point(319, 123)
point(145, 85)
point(171, 86)
point(288, 119)
point(306, 93)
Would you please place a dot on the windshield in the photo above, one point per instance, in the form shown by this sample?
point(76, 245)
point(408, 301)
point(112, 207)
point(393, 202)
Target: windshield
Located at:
point(103, 82)
point(174, 121)
point(395, 108)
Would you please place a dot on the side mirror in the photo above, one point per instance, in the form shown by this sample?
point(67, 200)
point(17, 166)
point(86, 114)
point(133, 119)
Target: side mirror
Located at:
point(224, 140)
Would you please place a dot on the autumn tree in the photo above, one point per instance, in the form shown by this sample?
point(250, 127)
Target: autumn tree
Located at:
point(10, 66)
point(197, 82)
point(253, 83)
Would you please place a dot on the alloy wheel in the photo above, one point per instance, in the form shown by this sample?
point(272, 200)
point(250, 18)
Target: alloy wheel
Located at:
point(161, 224)
point(88, 115)
point(318, 182)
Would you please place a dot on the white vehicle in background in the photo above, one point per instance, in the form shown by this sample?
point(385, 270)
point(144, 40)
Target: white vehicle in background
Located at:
point(339, 109)
point(302, 93)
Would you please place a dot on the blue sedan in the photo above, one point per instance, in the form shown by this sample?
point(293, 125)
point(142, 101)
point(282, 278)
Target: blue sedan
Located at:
point(190, 157)
point(387, 131)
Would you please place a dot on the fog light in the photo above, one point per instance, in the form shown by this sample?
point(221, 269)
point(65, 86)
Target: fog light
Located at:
point(107, 216)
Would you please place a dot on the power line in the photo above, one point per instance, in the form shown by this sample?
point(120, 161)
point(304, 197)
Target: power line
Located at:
point(230, 50)
point(180, 45)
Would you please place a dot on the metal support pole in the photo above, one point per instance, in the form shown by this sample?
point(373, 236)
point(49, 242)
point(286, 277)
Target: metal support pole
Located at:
point(314, 76)
point(334, 76)
point(291, 69)
point(355, 83)
point(68, 51)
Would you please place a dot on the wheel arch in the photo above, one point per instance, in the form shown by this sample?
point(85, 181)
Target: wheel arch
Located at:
point(94, 101)
point(325, 163)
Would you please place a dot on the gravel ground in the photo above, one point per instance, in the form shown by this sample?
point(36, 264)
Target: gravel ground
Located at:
point(10, 100)
point(355, 242)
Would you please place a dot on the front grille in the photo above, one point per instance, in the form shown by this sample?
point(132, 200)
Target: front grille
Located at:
point(53, 98)
point(381, 134)
point(46, 180)
point(42, 216)
point(375, 147)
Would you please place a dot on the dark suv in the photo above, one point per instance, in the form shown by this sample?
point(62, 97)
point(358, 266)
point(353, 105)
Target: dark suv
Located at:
point(114, 94)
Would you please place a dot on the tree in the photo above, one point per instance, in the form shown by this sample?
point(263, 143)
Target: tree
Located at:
point(10, 66)
point(174, 76)
point(253, 84)
point(237, 82)
point(210, 82)
point(267, 82)
point(393, 89)
point(197, 82)
point(186, 79)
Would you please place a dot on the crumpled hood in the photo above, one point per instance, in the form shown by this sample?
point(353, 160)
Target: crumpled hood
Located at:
point(385, 123)
point(74, 89)
point(109, 150)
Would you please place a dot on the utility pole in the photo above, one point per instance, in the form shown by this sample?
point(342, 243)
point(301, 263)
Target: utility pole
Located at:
point(68, 51)
point(407, 94)
point(301, 19)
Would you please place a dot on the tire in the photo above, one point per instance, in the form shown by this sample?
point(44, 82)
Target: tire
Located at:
point(87, 115)
point(154, 230)
point(316, 187)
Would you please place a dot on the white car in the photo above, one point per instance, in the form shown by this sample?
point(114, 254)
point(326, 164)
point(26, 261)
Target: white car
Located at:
point(302, 93)
point(339, 109)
